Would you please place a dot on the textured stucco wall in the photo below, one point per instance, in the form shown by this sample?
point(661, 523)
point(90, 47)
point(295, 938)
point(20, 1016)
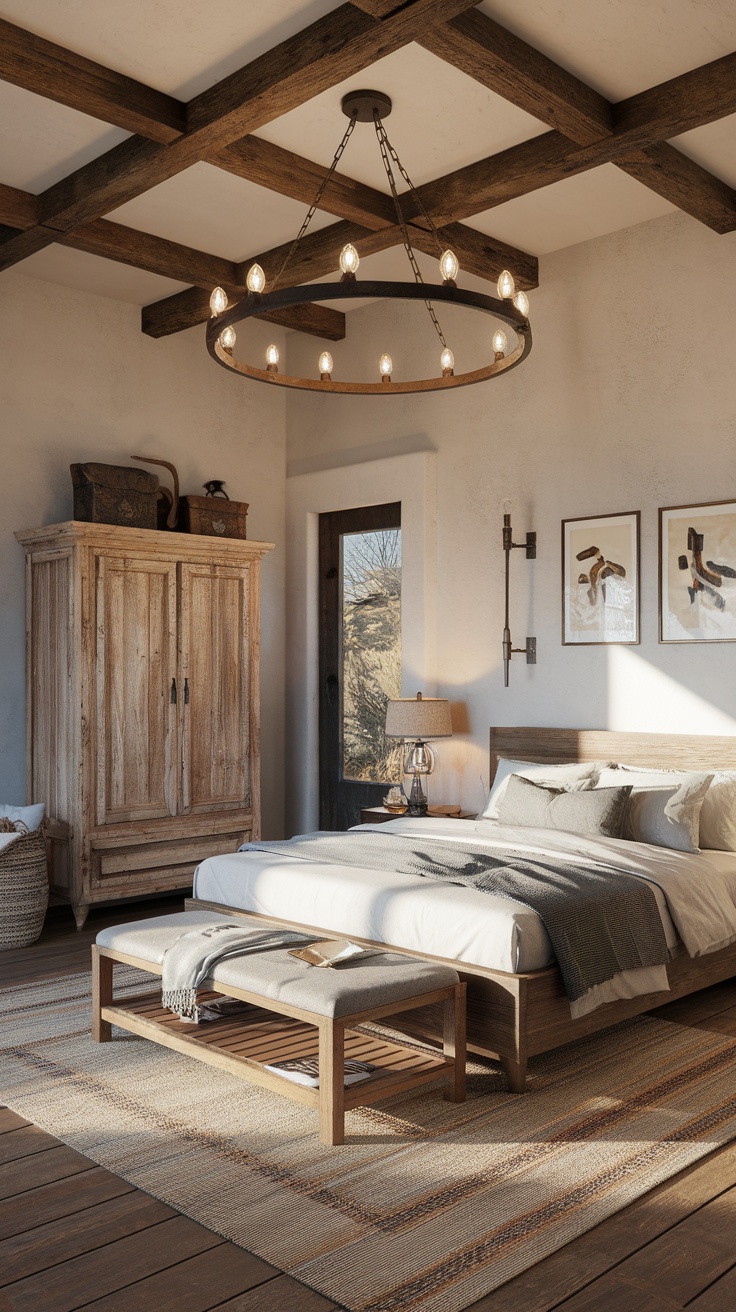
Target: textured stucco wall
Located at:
point(79, 381)
point(628, 401)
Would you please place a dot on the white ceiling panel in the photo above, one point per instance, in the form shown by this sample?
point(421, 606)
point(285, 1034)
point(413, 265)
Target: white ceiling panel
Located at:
point(713, 146)
point(41, 142)
point(90, 273)
point(578, 209)
point(178, 46)
point(441, 120)
point(622, 46)
point(215, 211)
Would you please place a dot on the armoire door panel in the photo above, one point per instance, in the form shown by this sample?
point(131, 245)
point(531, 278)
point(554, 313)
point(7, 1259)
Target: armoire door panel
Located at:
point(215, 686)
point(136, 714)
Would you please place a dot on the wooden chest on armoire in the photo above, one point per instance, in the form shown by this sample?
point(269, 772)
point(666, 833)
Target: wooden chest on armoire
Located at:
point(142, 661)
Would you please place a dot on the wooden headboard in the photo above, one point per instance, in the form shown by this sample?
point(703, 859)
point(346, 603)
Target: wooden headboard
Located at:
point(664, 750)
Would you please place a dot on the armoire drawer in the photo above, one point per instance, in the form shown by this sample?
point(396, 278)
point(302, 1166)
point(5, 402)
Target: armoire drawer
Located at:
point(176, 855)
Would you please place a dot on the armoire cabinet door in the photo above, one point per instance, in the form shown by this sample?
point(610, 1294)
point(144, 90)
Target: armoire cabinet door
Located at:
point(137, 776)
point(214, 663)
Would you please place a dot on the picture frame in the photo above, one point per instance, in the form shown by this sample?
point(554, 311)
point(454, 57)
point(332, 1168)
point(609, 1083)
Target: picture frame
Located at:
point(697, 572)
point(601, 579)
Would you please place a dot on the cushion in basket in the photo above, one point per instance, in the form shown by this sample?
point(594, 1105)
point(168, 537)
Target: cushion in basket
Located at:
point(31, 816)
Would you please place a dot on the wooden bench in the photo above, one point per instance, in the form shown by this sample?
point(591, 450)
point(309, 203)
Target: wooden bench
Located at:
point(277, 1028)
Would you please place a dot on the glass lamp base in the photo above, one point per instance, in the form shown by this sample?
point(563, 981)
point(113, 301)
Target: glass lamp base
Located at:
point(418, 802)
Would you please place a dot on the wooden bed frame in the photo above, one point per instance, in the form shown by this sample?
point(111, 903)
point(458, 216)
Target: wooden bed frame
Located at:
point(515, 1017)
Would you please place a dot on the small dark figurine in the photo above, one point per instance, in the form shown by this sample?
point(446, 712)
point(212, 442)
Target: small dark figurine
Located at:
point(216, 488)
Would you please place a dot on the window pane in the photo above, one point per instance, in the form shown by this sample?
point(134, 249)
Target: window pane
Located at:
point(371, 652)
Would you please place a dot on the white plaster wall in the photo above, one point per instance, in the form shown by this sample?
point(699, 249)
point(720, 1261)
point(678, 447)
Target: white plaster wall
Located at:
point(79, 381)
point(628, 401)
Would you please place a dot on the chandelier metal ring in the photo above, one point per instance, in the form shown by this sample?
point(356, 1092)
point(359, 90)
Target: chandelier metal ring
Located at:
point(255, 303)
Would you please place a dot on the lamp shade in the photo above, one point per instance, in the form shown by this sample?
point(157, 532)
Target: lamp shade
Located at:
point(418, 717)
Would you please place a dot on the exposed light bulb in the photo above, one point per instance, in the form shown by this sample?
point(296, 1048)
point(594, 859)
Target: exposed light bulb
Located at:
point(447, 360)
point(326, 364)
point(272, 359)
point(256, 280)
point(218, 301)
point(385, 365)
point(521, 301)
point(227, 338)
point(449, 266)
point(506, 285)
point(349, 260)
point(500, 342)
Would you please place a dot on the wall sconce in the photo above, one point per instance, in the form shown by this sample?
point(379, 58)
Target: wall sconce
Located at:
point(530, 651)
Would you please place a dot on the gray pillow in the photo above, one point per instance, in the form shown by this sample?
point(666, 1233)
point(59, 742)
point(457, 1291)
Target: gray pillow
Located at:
point(602, 811)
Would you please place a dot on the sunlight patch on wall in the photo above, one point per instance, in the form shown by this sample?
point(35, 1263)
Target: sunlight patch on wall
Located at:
point(642, 697)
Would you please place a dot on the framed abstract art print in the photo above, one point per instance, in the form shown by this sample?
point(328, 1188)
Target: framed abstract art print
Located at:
point(697, 573)
point(600, 579)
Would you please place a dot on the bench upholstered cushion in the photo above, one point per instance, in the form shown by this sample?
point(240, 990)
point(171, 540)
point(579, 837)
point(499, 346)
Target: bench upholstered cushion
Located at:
point(149, 939)
point(354, 986)
point(334, 991)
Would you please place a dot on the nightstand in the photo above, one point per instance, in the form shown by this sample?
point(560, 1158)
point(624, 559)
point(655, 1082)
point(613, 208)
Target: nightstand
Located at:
point(378, 815)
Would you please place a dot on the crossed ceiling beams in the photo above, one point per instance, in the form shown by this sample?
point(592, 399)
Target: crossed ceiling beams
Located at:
point(169, 136)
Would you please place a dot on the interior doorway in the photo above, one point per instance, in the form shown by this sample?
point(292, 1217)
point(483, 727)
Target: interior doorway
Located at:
point(359, 658)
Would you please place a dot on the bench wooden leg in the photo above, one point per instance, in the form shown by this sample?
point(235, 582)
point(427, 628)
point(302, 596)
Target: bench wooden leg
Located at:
point(332, 1081)
point(453, 1044)
point(101, 994)
point(515, 1074)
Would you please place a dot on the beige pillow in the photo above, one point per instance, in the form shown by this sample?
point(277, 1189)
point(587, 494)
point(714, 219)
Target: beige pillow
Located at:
point(571, 777)
point(664, 809)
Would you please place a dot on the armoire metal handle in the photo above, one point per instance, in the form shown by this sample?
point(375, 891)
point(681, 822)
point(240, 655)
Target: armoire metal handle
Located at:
point(186, 692)
point(173, 692)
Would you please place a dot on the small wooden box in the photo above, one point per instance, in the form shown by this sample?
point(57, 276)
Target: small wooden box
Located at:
point(214, 517)
point(114, 494)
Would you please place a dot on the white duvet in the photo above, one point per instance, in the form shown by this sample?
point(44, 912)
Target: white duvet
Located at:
point(696, 897)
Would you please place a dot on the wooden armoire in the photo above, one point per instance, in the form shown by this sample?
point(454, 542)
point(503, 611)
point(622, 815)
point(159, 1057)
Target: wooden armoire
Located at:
point(142, 658)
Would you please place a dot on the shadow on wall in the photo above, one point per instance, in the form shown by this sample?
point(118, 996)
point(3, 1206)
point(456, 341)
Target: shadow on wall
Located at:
point(633, 694)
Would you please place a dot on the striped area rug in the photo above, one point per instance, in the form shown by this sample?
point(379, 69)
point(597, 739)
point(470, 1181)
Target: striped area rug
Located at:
point(428, 1206)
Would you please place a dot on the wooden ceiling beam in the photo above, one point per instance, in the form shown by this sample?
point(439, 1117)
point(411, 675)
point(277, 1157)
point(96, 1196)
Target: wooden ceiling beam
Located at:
point(685, 184)
point(141, 250)
point(689, 101)
point(316, 258)
point(291, 175)
point(18, 209)
point(323, 54)
point(316, 320)
point(498, 59)
point(31, 62)
point(482, 256)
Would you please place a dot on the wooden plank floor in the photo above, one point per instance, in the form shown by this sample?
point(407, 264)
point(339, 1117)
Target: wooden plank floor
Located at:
point(73, 1235)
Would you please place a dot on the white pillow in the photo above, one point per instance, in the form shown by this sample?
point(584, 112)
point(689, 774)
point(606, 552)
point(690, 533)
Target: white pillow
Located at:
point(718, 816)
point(718, 813)
point(570, 777)
point(664, 807)
point(32, 816)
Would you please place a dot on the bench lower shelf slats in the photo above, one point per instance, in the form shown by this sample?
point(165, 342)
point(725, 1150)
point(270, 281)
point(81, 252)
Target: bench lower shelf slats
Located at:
point(240, 1041)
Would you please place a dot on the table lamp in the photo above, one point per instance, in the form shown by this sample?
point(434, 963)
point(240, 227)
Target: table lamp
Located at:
point(415, 719)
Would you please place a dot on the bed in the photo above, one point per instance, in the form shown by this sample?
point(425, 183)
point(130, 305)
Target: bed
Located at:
point(517, 1005)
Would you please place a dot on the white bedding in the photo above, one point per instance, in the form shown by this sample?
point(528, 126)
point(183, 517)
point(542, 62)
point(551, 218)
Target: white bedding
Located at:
point(696, 896)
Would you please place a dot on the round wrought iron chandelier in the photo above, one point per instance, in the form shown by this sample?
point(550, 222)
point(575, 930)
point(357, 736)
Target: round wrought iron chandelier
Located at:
point(512, 307)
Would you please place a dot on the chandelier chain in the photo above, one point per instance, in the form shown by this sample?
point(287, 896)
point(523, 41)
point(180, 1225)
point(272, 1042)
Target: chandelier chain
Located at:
point(387, 154)
point(315, 203)
point(420, 203)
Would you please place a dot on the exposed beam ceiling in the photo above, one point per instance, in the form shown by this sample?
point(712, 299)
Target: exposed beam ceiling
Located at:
point(169, 136)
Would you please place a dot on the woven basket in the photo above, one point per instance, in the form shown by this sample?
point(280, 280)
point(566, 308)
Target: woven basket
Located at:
point(24, 890)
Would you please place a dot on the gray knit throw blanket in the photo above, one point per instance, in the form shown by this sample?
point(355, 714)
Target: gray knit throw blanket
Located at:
point(600, 920)
point(197, 951)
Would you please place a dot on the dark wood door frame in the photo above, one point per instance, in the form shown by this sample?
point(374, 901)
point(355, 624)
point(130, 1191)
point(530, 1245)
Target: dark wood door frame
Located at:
point(340, 800)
